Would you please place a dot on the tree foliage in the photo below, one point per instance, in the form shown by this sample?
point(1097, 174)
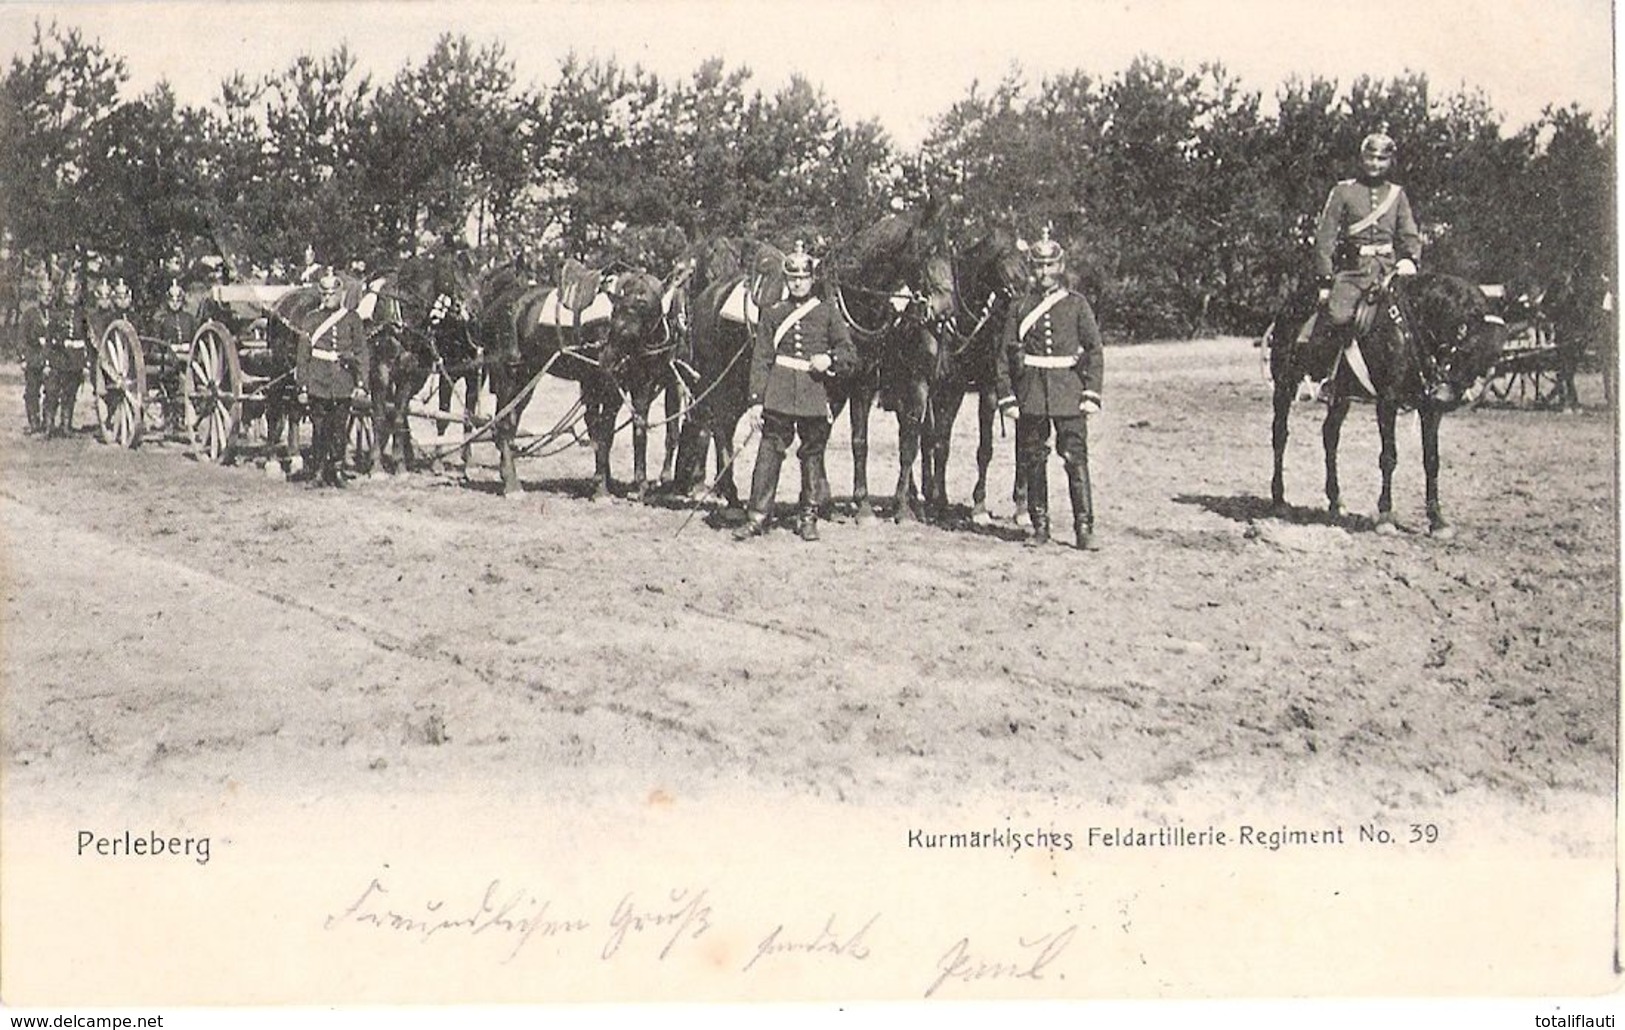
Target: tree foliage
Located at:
point(1186, 200)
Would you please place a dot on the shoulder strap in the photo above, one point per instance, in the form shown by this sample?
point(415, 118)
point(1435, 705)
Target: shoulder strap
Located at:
point(1038, 312)
point(1377, 212)
point(793, 317)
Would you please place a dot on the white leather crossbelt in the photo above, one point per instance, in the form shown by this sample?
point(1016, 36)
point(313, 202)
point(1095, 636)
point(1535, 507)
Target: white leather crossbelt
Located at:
point(799, 364)
point(1369, 249)
point(324, 355)
point(1049, 360)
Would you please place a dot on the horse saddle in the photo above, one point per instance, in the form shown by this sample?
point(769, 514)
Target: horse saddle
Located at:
point(579, 286)
point(745, 301)
point(762, 287)
point(555, 310)
point(1372, 300)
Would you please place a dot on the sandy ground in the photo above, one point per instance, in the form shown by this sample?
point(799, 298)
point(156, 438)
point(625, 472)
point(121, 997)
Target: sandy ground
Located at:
point(176, 632)
point(170, 624)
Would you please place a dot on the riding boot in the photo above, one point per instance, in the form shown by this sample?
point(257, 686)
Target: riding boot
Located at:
point(1328, 358)
point(1083, 510)
point(807, 524)
point(1038, 503)
point(755, 525)
point(818, 481)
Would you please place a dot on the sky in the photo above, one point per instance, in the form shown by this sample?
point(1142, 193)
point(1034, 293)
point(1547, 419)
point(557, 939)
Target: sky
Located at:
point(900, 62)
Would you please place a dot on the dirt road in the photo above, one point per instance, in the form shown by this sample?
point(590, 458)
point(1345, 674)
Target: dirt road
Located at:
point(172, 625)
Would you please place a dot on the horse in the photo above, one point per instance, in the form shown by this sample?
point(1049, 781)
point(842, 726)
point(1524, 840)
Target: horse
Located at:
point(618, 347)
point(879, 283)
point(965, 344)
point(1424, 330)
point(733, 280)
point(425, 329)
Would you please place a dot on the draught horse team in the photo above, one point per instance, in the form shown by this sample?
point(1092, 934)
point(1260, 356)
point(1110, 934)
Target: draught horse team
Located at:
point(740, 330)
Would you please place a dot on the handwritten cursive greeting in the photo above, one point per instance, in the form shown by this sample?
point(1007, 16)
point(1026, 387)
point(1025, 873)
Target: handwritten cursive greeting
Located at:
point(827, 941)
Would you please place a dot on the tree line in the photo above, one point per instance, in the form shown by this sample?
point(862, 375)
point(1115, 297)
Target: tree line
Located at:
point(1186, 206)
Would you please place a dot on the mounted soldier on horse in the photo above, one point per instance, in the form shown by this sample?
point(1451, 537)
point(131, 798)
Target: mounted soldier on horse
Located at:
point(1405, 339)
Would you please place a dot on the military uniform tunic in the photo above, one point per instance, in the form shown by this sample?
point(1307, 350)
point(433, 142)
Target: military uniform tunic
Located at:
point(1360, 251)
point(334, 357)
point(781, 377)
point(175, 330)
point(1058, 362)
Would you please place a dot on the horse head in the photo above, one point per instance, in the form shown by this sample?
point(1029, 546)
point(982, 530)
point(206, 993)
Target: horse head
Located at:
point(638, 327)
point(1456, 329)
point(900, 263)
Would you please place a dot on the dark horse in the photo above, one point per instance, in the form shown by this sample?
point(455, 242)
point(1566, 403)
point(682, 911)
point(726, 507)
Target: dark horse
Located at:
point(964, 345)
point(1425, 329)
point(623, 357)
point(881, 284)
point(425, 329)
point(732, 281)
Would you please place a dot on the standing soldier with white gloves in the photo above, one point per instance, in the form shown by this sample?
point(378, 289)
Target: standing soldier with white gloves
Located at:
point(332, 369)
point(801, 345)
point(1051, 375)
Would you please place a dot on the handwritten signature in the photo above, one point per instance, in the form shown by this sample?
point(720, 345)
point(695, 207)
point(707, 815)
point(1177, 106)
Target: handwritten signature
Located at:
point(958, 962)
point(826, 942)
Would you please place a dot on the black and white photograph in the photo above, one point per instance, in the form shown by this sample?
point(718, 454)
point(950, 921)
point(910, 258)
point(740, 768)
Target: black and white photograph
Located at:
point(519, 504)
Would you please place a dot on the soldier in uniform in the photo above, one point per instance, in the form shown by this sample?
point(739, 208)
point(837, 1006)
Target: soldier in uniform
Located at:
point(332, 370)
point(175, 325)
point(1051, 374)
point(39, 330)
point(66, 358)
point(123, 300)
point(1365, 233)
point(801, 345)
point(101, 313)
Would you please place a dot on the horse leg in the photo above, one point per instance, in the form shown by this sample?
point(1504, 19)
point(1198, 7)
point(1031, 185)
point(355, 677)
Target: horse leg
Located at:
point(1387, 460)
point(1330, 432)
point(726, 488)
point(642, 402)
point(986, 409)
point(296, 456)
point(910, 421)
point(601, 412)
point(943, 416)
point(1430, 418)
point(859, 398)
point(694, 446)
point(444, 385)
point(675, 423)
point(504, 383)
point(1286, 391)
point(471, 410)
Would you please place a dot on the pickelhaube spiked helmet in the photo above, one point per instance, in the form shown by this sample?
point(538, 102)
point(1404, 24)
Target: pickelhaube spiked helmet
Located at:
point(121, 291)
point(1378, 144)
point(798, 262)
point(175, 292)
point(1045, 250)
point(103, 290)
point(329, 282)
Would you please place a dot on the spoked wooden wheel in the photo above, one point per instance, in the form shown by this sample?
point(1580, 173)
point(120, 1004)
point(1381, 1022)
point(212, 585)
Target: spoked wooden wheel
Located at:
point(118, 384)
point(212, 386)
